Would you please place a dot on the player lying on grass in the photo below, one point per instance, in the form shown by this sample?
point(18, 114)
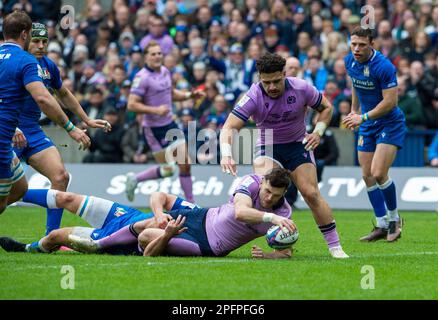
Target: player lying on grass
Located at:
point(111, 222)
point(257, 203)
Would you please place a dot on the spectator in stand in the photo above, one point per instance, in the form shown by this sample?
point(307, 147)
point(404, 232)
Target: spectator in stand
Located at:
point(316, 74)
point(411, 106)
point(157, 32)
point(134, 144)
point(293, 68)
point(106, 147)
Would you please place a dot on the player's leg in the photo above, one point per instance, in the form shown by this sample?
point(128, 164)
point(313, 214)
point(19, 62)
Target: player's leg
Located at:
point(262, 165)
point(181, 155)
point(19, 182)
point(304, 177)
point(383, 158)
point(375, 196)
point(47, 244)
point(48, 162)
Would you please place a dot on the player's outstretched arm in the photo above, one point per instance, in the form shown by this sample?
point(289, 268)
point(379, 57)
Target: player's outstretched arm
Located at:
point(232, 126)
point(156, 246)
point(257, 253)
point(70, 101)
point(246, 213)
point(53, 110)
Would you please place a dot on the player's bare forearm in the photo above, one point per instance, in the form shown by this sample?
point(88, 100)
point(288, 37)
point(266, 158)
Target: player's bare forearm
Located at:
point(244, 211)
point(178, 95)
point(70, 101)
point(157, 246)
point(385, 106)
point(355, 107)
point(135, 105)
point(325, 110)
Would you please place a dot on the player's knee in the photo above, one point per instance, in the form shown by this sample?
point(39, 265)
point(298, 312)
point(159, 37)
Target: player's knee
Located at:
point(54, 236)
point(311, 195)
point(380, 176)
point(60, 180)
point(64, 198)
point(184, 168)
point(167, 170)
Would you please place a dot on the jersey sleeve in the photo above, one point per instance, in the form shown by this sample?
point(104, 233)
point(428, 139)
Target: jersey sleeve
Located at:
point(245, 108)
point(29, 70)
point(139, 87)
point(313, 96)
point(387, 75)
point(248, 186)
point(55, 75)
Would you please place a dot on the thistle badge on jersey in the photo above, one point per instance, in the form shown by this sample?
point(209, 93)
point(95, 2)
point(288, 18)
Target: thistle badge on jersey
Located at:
point(366, 71)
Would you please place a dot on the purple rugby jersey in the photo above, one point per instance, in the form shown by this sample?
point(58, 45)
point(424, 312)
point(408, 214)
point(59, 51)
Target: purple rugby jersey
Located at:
point(225, 233)
point(156, 89)
point(284, 115)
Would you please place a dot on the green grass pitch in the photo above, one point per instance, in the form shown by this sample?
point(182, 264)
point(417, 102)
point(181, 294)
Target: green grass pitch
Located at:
point(407, 269)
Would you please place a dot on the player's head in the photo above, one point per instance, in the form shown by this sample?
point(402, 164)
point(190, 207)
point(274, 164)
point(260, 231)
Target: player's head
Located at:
point(17, 27)
point(361, 43)
point(39, 40)
point(273, 187)
point(153, 55)
point(271, 72)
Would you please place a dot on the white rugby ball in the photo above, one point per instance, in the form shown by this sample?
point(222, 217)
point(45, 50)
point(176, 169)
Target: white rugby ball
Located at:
point(281, 238)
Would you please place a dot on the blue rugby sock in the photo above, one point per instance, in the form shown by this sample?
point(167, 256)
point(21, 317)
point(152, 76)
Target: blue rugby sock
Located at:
point(53, 221)
point(390, 196)
point(36, 196)
point(34, 247)
point(377, 201)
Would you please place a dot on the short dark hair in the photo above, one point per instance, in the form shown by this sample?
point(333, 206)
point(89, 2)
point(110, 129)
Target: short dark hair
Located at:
point(361, 32)
point(15, 23)
point(279, 178)
point(270, 63)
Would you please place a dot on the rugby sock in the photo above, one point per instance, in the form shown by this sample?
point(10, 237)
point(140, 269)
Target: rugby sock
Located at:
point(186, 185)
point(43, 197)
point(126, 235)
point(390, 196)
point(149, 174)
point(53, 221)
point(378, 202)
point(330, 234)
point(36, 247)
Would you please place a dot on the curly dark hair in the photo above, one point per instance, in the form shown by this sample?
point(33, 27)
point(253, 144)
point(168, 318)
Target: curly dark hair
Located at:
point(270, 63)
point(279, 178)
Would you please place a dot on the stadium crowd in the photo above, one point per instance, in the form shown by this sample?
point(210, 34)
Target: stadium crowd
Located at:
point(213, 46)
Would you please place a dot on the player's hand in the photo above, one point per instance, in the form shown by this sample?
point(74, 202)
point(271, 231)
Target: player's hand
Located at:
point(284, 223)
point(311, 141)
point(256, 252)
point(352, 121)
point(80, 137)
point(228, 165)
point(198, 93)
point(162, 220)
point(175, 227)
point(162, 110)
point(99, 124)
point(19, 140)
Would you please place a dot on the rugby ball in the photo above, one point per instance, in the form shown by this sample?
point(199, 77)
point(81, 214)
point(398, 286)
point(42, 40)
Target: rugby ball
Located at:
point(281, 238)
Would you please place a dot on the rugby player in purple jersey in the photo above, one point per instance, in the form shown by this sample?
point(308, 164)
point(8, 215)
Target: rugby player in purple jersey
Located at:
point(278, 105)
point(152, 94)
point(256, 204)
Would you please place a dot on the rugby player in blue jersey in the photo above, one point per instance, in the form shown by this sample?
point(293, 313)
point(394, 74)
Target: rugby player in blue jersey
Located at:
point(20, 79)
point(114, 226)
point(381, 129)
point(30, 142)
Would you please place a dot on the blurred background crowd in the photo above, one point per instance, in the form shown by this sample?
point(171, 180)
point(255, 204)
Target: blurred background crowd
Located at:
point(213, 45)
